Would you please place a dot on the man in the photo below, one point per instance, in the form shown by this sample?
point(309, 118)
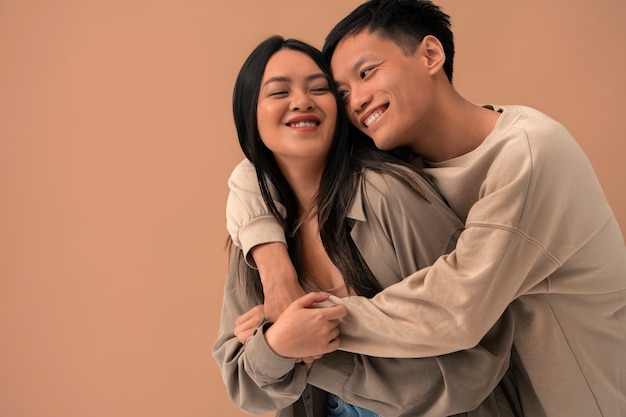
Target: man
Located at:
point(540, 238)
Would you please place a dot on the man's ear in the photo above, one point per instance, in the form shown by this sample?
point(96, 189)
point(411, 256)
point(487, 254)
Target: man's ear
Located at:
point(432, 50)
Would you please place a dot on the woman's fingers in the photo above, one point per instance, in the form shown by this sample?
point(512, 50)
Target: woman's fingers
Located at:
point(307, 300)
point(306, 330)
point(334, 344)
point(333, 334)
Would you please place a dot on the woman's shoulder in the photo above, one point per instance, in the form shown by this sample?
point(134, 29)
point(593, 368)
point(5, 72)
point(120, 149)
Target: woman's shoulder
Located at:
point(416, 218)
point(384, 186)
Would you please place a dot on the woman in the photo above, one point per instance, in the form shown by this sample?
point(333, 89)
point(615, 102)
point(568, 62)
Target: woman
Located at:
point(344, 229)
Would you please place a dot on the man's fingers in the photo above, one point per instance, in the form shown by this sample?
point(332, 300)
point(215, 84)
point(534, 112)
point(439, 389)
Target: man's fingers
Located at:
point(244, 335)
point(253, 314)
point(246, 324)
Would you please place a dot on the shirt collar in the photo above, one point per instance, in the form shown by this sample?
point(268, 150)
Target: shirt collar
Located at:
point(356, 209)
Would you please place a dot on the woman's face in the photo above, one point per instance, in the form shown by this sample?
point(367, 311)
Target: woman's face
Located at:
point(296, 111)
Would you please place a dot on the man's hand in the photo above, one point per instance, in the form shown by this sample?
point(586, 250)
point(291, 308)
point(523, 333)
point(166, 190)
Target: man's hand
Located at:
point(248, 322)
point(306, 331)
point(278, 277)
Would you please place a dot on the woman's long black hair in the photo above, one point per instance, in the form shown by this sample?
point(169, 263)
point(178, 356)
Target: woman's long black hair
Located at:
point(350, 153)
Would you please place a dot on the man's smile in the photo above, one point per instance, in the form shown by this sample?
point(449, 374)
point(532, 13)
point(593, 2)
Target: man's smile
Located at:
point(374, 115)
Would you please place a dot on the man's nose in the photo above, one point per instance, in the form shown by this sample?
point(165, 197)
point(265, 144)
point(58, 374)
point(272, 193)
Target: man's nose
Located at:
point(359, 99)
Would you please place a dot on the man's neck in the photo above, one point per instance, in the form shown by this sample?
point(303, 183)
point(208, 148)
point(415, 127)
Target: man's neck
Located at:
point(458, 127)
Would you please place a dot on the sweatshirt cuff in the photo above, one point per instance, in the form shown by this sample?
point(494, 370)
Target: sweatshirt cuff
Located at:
point(261, 230)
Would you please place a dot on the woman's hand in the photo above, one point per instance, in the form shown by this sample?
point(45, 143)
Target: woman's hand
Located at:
point(308, 362)
point(248, 322)
point(306, 331)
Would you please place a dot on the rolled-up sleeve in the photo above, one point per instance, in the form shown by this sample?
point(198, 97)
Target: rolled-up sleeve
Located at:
point(248, 219)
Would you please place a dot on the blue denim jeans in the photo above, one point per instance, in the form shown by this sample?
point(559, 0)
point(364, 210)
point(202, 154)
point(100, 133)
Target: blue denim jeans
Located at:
point(336, 407)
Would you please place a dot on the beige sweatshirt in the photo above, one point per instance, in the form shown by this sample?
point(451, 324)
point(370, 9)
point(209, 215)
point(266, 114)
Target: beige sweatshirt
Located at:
point(539, 237)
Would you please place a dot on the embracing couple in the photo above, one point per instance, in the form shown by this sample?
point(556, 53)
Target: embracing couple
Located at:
point(401, 251)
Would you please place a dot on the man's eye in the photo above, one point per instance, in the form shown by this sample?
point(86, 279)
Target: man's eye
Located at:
point(366, 71)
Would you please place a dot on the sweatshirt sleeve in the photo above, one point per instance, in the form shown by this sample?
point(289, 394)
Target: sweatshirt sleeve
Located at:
point(256, 378)
point(443, 385)
point(533, 211)
point(446, 307)
point(401, 232)
point(248, 219)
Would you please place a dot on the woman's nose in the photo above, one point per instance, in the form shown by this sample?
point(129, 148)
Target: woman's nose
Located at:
point(301, 102)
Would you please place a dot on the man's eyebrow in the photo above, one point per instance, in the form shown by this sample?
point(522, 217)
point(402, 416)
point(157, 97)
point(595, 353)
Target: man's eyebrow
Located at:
point(355, 68)
point(362, 60)
point(283, 79)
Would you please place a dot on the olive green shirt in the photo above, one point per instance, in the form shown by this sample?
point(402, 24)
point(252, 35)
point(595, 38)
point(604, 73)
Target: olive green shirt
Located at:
point(397, 231)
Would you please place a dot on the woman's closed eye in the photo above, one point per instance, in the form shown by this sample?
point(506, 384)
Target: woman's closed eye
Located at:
point(320, 90)
point(278, 93)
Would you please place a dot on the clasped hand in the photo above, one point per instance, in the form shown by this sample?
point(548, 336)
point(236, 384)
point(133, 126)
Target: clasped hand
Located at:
point(303, 330)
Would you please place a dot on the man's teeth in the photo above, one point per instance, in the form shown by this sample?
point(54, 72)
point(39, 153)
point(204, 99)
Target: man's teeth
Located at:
point(373, 118)
point(304, 124)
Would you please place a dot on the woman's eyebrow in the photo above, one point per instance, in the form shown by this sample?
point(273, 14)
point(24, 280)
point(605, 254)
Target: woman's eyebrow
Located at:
point(316, 76)
point(276, 79)
point(283, 79)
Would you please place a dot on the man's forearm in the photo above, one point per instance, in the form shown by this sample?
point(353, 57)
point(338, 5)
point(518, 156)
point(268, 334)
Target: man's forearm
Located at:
point(278, 277)
point(442, 385)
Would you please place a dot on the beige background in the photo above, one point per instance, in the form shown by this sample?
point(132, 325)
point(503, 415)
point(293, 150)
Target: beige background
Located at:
point(116, 141)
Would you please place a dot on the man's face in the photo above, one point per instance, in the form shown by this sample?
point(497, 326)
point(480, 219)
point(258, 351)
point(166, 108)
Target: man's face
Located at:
point(386, 92)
